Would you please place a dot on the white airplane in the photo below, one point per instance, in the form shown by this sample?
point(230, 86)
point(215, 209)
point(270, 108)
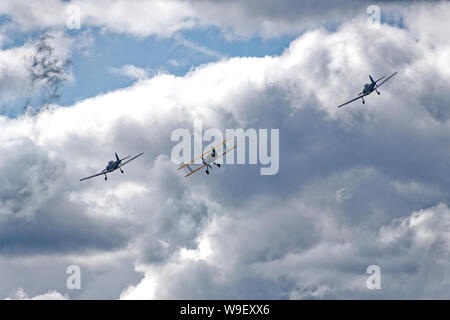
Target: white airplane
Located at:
point(369, 88)
point(113, 166)
point(208, 158)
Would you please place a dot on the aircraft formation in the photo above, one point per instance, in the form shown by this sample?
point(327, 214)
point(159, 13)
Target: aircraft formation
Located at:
point(209, 157)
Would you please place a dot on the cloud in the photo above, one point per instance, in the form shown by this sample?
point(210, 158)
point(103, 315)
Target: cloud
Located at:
point(235, 19)
point(33, 74)
point(201, 49)
point(423, 229)
point(347, 176)
point(332, 266)
point(131, 72)
point(23, 191)
point(48, 69)
point(14, 76)
point(51, 295)
point(166, 16)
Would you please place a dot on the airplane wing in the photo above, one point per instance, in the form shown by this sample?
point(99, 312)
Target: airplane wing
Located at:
point(95, 175)
point(380, 79)
point(208, 162)
point(194, 171)
point(194, 167)
point(207, 152)
point(357, 98)
point(378, 85)
point(124, 158)
point(140, 154)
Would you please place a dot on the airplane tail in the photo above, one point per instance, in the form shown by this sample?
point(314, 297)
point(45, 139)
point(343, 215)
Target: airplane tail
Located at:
point(117, 157)
point(371, 79)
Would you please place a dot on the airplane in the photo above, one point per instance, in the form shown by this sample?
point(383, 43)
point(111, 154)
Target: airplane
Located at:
point(207, 164)
point(208, 158)
point(369, 88)
point(113, 166)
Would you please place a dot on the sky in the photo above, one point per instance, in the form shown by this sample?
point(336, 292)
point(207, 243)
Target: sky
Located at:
point(363, 185)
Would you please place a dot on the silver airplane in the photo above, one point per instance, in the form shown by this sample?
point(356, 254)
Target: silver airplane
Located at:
point(113, 166)
point(369, 88)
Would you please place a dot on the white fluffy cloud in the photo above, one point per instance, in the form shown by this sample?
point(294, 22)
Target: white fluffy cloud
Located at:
point(14, 75)
point(423, 229)
point(345, 196)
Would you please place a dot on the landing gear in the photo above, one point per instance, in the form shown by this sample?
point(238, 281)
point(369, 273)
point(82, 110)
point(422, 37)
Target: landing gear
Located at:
point(106, 178)
point(208, 166)
point(121, 170)
point(363, 101)
point(378, 92)
point(217, 164)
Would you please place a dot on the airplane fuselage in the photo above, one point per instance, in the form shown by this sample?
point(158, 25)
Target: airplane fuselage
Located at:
point(368, 88)
point(112, 165)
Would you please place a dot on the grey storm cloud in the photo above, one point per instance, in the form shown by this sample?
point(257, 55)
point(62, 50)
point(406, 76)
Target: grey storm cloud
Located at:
point(35, 217)
point(24, 188)
point(357, 186)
